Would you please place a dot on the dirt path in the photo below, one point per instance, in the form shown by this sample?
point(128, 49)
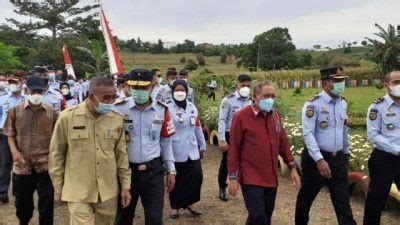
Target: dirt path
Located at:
point(233, 211)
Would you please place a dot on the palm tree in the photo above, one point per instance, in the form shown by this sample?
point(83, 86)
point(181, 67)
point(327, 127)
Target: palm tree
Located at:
point(386, 53)
point(98, 58)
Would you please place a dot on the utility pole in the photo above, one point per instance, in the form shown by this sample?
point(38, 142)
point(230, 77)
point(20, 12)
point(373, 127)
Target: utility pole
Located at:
point(258, 55)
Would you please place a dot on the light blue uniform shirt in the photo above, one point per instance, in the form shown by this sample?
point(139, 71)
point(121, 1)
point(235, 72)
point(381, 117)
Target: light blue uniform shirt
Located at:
point(144, 127)
point(229, 106)
point(155, 91)
point(324, 121)
point(3, 97)
point(164, 94)
point(189, 137)
point(55, 85)
point(8, 101)
point(53, 99)
point(383, 125)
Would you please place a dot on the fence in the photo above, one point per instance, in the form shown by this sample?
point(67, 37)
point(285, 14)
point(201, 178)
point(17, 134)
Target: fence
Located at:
point(317, 83)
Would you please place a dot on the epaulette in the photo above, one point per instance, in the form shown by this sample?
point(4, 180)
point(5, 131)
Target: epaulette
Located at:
point(231, 95)
point(120, 101)
point(315, 97)
point(379, 100)
point(344, 98)
point(163, 104)
point(71, 108)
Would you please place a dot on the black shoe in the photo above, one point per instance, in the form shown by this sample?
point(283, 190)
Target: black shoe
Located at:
point(222, 194)
point(194, 212)
point(4, 198)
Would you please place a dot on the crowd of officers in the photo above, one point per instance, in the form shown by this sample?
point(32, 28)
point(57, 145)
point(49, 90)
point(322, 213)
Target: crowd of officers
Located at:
point(99, 145)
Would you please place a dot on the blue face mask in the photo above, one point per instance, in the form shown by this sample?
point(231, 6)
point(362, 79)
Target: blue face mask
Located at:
point(266, 105)
point(52, 76)
point(338, 88)
point(103, 108)
point(71, 82)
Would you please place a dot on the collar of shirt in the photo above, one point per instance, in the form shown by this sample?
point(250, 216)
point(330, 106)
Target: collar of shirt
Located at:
point(27, 105)
point(327, 98)
point(390, 101)
point(83, 110)
point(255, 109)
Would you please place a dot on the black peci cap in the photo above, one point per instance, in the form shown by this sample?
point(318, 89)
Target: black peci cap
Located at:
point(332, 72)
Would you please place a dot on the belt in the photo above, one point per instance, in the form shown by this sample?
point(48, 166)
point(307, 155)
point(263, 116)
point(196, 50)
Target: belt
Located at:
point(330, 154)
point(146, 165)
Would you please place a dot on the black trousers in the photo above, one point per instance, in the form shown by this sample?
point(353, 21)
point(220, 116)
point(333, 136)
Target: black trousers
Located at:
point(384, 169)
point(260, 204)
point(6, 161)
point(24, 187)
point(312, 182)
point(223, 167)
point(149, 186)
point(212, 94)
point(188, 183)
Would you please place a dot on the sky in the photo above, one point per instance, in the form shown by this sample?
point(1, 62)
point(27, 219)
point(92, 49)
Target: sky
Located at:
point(310, 22)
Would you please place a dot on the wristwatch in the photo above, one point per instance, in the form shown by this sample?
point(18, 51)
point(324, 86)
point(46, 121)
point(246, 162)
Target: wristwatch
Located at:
point(172, 173)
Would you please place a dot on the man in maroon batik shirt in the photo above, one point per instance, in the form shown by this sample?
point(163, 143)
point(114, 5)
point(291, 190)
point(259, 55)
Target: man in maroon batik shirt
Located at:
point(257, 138)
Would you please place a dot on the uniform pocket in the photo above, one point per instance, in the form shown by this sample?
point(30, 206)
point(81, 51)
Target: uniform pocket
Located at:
point(79, 141)
point(111, 138)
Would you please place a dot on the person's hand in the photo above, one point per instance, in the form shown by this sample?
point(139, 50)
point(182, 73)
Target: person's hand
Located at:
point(295, 178)
point(170, 182)
point(17, 157)
point(233, 187)
point(57, 198)
point(201, 154)
point(223, 146)
point(323, 168)
point(127, 138)
point(125, 198)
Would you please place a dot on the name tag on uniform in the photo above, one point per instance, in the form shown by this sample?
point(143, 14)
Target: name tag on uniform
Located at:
point(128, 121)
point(157, 121)
point(79, 127)
point(391, 114)
point(192, 121)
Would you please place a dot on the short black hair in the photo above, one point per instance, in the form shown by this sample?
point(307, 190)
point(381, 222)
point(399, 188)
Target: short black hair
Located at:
point(100, 81)
point(243, 78)
point(153, 71)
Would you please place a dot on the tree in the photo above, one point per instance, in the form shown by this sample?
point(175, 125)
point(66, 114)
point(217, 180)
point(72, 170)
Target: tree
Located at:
point(364, 43)
point(201, 59)
point(191, 65)
point(56, 16)
point(98, 57)
point(270, 50)
point(8, 60)
point(386, 51)
point(223, 56)
point(159, 47)
point(183, 59)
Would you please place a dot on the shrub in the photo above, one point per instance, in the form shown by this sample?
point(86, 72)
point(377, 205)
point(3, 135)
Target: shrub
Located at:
point(191, 65)
point(183, 60)
point(201, 59)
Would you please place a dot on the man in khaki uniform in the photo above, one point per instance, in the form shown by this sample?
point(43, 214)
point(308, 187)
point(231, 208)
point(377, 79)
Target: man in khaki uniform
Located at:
point(88, 157)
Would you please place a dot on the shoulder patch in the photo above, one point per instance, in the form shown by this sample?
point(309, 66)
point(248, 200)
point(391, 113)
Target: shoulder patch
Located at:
point(163, 104)
point(120, 101)
point(315, 97)
point(379, 100)
point(310, 111)
point(373, 114)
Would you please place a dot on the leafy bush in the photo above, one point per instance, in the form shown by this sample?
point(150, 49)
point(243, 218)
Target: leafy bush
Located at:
point(191, 65)
point(183, 59)
point(201, 59)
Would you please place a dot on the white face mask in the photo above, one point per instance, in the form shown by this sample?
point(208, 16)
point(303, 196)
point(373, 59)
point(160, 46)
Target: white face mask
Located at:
point(244, 92)
point(15, 88)
point(180, 96)
point(395, 90)
point(3, 85)
point(35, 99)
point(159, 80)
point(65, 91)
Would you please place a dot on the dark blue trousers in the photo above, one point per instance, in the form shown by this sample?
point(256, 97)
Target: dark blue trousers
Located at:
point(5, 164)
point(260, 204)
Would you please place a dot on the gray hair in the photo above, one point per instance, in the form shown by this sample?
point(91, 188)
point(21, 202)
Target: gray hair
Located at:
point(258, 87)
point(100, 81)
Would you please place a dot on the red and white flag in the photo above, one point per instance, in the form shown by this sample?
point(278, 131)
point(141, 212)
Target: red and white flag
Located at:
point(113, 56)
point(67, 61)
